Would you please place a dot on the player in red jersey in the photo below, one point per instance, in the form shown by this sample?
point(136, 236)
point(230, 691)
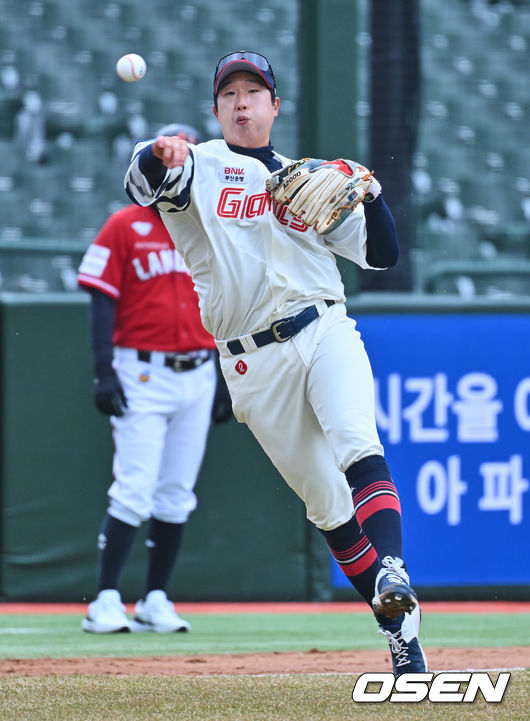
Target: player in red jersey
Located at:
point(155, 376)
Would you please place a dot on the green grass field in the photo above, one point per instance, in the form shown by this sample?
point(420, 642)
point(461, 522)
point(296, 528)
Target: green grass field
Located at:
point(239, 698)
point(57, 636)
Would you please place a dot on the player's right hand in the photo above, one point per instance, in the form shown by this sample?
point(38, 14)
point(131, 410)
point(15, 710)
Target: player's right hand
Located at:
point(171, 150)
point(109, 397)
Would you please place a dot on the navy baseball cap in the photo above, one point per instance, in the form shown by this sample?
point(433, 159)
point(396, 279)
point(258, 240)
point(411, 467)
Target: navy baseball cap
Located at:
point(247, 61)
point(191, 134)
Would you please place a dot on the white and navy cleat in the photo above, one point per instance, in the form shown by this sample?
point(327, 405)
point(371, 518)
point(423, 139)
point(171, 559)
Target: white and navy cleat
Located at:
point(405, 649)
point(393, 594)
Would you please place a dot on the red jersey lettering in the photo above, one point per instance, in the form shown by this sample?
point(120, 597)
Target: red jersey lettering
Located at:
point(229, 207)
point(232, 204)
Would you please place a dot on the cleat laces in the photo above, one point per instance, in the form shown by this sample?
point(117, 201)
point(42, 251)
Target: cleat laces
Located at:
point(395, 571)
point(398, 647)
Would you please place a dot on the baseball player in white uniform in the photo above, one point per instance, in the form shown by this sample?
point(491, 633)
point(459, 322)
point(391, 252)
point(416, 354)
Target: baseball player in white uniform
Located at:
point(271, 294)
point(155, 376)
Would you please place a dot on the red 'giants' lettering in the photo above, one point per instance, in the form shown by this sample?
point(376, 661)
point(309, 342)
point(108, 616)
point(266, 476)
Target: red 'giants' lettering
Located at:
point(235, 203)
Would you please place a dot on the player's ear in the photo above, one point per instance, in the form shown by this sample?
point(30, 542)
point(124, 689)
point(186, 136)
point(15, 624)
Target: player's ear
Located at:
point(276, 106)
point(214, 109)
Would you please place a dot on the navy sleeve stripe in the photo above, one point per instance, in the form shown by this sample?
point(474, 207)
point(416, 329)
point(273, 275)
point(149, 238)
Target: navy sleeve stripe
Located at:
point(151, 167)
point(182, 200)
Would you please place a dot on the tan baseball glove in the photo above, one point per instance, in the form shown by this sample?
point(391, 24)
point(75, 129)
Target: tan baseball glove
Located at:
point(323, 193)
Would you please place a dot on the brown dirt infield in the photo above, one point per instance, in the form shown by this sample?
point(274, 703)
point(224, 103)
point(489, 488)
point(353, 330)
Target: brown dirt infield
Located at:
point(310, 662)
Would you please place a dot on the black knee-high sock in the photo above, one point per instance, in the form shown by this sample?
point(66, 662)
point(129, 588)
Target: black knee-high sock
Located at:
point(163, 544)
point(376, 504)
point(114, 542)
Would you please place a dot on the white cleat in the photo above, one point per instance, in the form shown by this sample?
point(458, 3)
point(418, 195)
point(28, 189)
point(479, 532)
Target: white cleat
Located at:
point(106, 614)
point(157, 613)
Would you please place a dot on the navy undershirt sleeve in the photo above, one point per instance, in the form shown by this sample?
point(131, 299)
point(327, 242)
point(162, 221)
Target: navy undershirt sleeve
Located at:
point(151, 167)
point(382, 247)
point(102, 309)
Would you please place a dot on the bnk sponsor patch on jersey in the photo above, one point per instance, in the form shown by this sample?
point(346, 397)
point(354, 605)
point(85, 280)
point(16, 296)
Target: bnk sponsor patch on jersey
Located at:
point(232, 174)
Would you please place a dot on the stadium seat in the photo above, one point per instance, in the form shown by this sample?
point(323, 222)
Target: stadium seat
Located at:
point(473, 135)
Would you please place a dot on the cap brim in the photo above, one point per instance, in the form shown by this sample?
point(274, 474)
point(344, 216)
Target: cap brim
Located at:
point(238, 66)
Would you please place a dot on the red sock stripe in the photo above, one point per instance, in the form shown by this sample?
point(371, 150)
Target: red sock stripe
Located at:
point(350, 552)
point(382, 502)
point(376, 486)
point(356, 559)
point(360, 564)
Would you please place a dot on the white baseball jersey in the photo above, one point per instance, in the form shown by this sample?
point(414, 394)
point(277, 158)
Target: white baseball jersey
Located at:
point(251, 262)
point(308, 401)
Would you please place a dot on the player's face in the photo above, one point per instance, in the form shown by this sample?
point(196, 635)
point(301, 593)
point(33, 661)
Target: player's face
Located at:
point(245, 110)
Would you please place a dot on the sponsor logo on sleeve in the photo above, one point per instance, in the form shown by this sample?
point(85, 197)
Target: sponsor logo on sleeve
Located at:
point(95, 261)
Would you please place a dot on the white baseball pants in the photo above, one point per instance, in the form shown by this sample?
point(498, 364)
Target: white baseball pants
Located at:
point(161, 439)
point(310, 404)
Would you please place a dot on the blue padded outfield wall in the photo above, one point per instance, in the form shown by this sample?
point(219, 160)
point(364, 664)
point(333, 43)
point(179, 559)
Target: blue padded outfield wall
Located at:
point(453, 411)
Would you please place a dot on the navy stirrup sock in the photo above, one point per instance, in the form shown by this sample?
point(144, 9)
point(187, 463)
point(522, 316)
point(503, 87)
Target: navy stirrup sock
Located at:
point(163, 545)
point(115, 543)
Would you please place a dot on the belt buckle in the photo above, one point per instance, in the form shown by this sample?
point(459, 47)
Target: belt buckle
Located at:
point(177, 364)
point(186, 363)
point(275, 332)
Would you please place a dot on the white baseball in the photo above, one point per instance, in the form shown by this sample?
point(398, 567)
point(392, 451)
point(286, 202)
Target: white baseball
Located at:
point(131, 67)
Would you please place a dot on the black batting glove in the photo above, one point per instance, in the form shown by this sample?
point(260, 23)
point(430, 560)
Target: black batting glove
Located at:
point(109, 397)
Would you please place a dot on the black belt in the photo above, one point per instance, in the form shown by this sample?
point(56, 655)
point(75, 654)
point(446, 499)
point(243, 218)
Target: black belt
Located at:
point(281, 330)
point(176, 362)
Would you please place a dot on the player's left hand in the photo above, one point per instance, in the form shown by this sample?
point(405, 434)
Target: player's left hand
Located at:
point(323, 193)
point(222, 403)
point(109, 397)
